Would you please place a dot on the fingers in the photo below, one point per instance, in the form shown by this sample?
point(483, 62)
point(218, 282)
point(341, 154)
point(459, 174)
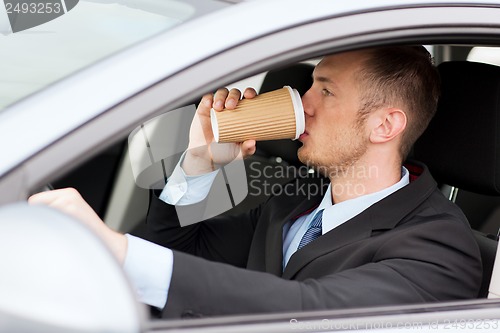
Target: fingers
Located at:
point(220, 99)
point(51, 198)
point(249, 93)
point(69, 201)
point(248, 148)
point(205, 105)
point(226, 99)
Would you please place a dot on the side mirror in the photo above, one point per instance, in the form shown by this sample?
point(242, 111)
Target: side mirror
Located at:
point(57, 276)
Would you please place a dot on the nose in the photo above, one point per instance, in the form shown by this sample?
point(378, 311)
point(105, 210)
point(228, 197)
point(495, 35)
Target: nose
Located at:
point(307, 103)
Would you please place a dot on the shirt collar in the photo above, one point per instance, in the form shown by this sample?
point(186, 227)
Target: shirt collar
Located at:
point(335, 215)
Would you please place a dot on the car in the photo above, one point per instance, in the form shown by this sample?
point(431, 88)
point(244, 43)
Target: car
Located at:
point(83, 94)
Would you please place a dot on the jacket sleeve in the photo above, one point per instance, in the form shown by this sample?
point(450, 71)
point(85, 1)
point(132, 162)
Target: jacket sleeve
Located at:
point(222, 238)
point(419, 264)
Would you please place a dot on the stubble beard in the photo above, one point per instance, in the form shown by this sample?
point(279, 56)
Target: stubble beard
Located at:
point(341, 159)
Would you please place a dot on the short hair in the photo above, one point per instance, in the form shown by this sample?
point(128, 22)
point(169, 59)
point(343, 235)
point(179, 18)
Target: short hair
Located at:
point(403, 77)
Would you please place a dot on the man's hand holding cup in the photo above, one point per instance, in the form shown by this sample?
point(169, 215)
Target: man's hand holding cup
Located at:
point(204, 153)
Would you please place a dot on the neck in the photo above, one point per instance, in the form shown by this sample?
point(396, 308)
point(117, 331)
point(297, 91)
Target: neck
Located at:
point(364, 178)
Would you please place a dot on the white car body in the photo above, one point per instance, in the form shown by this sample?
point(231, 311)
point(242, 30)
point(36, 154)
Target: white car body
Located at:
point(56, 128)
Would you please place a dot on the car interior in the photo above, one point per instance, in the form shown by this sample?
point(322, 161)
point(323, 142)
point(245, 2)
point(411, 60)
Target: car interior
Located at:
point(462, 155)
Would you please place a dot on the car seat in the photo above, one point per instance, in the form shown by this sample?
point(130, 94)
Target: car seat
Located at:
point(461, 145)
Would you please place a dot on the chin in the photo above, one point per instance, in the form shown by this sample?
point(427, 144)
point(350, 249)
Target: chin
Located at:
point(302, 155)
point(306, 158)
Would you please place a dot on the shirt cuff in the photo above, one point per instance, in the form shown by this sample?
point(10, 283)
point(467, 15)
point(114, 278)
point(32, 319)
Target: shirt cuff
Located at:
point(149, 268)
point(182, 189)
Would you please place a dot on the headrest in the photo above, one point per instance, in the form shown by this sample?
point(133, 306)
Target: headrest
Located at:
point(461, 146)
point(298, 76)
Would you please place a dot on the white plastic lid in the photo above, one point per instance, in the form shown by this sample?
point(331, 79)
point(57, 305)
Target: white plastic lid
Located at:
point(300, 121)
point(215, 125)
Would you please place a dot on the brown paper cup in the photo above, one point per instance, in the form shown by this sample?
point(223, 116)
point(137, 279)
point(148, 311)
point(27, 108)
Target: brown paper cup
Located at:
point(274, 115)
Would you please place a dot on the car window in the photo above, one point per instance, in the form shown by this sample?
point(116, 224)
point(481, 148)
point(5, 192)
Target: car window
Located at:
point(484, 54)
point(92, 30)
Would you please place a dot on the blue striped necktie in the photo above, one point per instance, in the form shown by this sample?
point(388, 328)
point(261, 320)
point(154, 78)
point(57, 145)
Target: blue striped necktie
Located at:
point(314, 230)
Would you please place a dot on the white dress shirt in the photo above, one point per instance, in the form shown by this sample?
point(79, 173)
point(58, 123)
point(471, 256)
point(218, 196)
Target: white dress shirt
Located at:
point(149, 266)
point(333, 215)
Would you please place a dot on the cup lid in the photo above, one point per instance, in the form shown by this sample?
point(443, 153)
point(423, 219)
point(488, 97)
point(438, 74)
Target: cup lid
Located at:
point(215, 125)
point(300, 121)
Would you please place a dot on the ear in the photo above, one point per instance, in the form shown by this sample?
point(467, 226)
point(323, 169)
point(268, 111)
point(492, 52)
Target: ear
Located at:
point(387, 124)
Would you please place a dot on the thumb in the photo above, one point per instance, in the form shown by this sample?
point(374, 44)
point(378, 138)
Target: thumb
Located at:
point(248, 148)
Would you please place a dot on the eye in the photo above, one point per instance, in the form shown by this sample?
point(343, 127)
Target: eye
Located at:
point(326, 92)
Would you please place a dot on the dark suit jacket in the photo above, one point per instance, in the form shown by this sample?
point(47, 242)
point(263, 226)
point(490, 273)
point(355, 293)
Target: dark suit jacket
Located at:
point(413, 246)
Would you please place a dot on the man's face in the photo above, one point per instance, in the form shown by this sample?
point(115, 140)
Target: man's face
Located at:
point(335, 138)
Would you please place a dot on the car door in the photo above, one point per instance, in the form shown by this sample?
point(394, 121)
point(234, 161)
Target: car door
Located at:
point(171, 74)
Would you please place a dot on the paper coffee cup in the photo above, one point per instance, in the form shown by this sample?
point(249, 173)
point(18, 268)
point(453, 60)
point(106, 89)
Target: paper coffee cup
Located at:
point(273, 115)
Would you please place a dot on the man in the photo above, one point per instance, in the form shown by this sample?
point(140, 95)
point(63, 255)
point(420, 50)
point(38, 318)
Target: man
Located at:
point(395, 240)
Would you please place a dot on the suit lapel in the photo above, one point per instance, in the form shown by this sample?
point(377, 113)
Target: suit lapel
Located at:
point(349, 232)
point(274, 237)
point(384, 215)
